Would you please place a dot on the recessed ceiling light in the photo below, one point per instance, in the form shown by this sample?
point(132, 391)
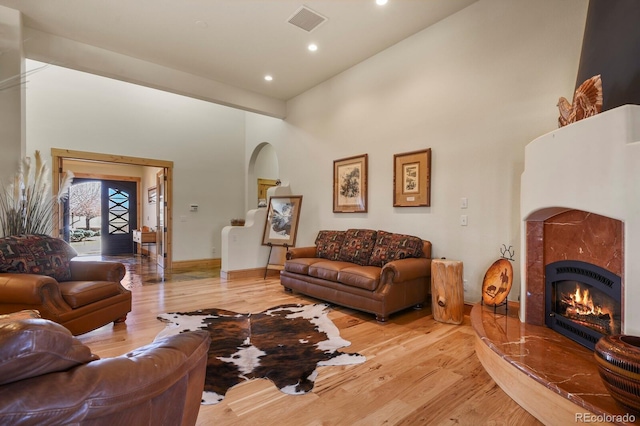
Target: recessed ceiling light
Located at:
point(381, 2)
point(268, 77)
point(312, 47)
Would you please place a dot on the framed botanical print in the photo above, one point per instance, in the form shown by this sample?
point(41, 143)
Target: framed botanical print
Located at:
point(350, 184)
point(281, 226)
point(412, 179)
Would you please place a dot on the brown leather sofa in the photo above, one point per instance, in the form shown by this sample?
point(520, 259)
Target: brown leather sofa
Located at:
point(372, 271)
point(36, 272)
point(48, 377)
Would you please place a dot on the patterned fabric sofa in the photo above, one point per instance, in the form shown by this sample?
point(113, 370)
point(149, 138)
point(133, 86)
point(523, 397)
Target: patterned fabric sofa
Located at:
point(36, 272)
point(372, 271)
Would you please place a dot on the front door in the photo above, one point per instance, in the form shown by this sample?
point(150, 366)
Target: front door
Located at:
point(119, 216)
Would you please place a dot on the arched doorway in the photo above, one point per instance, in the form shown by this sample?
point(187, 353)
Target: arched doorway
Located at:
point(263, 172)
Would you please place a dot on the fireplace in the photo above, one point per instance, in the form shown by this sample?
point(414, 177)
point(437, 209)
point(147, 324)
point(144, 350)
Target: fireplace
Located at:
point(579, 204)
point(582, 301)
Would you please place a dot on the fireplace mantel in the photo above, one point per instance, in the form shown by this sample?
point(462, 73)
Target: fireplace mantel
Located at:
point(592, 165)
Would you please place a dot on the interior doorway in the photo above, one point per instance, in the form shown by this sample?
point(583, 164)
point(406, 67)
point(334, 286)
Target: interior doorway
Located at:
point(61, 156)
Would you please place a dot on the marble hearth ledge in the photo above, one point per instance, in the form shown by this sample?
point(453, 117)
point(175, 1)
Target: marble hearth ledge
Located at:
point(549, 375)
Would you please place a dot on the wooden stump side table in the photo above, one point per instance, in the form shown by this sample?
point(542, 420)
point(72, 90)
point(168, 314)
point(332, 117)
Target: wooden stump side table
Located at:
point(447, 291)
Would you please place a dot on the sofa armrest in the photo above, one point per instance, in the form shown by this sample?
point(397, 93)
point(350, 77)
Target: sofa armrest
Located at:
point(160, 383)
point(97, 270)
point(406, 270)
point(300, 252)
point(27, 290)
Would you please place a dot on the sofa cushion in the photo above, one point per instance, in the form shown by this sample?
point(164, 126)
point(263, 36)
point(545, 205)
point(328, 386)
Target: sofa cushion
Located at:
point(36, 254)
point(328, 269)
point(81, 293)
point(365, 277)
point(33, 347)
point(391, 246)
point(357, 246)
point(300, 265)
point(328, 244)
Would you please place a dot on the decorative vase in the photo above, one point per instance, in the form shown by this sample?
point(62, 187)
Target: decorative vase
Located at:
point(618, 358)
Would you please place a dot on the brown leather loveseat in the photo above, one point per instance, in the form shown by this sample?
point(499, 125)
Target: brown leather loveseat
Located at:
point(36, 272)
point(48, 377)
point(372, 271)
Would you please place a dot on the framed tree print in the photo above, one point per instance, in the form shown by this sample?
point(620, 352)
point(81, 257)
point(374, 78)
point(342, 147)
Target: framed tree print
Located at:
point(412, 179)
point(350, 185)
point(281, 226)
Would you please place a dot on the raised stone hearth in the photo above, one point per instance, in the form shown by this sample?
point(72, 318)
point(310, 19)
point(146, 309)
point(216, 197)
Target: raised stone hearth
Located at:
point(552, 377)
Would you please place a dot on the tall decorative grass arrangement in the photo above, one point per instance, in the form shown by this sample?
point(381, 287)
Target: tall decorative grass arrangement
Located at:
point(26, 203)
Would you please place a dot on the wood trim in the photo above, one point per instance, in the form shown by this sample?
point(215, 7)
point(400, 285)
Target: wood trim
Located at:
point(534, 397)
point(109, 158)
point(58, 155)
point(107, 177)
point(184, 265)
point(248, 273)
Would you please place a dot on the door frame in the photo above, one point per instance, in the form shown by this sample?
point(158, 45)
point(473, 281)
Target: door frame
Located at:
point(59, 155)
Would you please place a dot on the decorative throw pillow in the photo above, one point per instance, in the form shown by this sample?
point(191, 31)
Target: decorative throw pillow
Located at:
point(36, 254)
point(357, 246)
point(33, 347)
point(328, 244)
point(390, 247)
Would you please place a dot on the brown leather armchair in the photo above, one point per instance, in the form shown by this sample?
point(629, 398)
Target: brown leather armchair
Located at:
point(91, 298)
point(49, 377)
point(37, 272)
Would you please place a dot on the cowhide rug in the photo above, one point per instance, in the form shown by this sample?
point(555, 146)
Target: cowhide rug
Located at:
point(284, 344)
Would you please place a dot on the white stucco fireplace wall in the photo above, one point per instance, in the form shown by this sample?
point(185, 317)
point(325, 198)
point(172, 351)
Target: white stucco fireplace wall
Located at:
point(592, 165)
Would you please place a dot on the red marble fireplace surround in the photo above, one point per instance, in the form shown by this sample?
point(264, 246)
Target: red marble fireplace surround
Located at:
point(571, 235)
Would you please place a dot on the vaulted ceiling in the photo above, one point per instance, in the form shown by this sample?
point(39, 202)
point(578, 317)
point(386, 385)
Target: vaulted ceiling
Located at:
point(238, 42)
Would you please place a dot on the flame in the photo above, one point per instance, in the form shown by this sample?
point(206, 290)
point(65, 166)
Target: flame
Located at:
point(583, 303)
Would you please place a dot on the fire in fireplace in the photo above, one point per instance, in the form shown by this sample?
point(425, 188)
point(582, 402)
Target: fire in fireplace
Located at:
point(582, 301)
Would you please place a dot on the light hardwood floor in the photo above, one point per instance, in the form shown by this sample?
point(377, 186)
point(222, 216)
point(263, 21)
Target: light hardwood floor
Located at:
point(418, 371)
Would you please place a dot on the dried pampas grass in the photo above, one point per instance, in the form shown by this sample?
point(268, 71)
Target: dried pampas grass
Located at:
point(26, 204)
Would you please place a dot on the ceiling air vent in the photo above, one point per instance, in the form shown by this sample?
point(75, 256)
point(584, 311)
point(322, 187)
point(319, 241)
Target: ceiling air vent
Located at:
point(306, 19)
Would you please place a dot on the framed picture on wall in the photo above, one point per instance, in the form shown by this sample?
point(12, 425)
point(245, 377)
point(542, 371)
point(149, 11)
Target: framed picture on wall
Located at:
point(412, 179)
point(350, 184)
point(281, 226)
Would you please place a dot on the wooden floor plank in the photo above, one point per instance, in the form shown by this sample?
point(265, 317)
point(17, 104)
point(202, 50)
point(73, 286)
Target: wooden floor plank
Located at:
point(418, 370)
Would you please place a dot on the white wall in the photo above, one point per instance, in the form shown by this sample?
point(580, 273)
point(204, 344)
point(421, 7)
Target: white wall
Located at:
point(73, 110)
point(475, 88)
point(12, 123)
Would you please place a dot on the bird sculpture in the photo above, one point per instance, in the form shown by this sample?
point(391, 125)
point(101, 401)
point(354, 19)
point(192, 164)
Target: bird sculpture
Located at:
point(587, 101)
